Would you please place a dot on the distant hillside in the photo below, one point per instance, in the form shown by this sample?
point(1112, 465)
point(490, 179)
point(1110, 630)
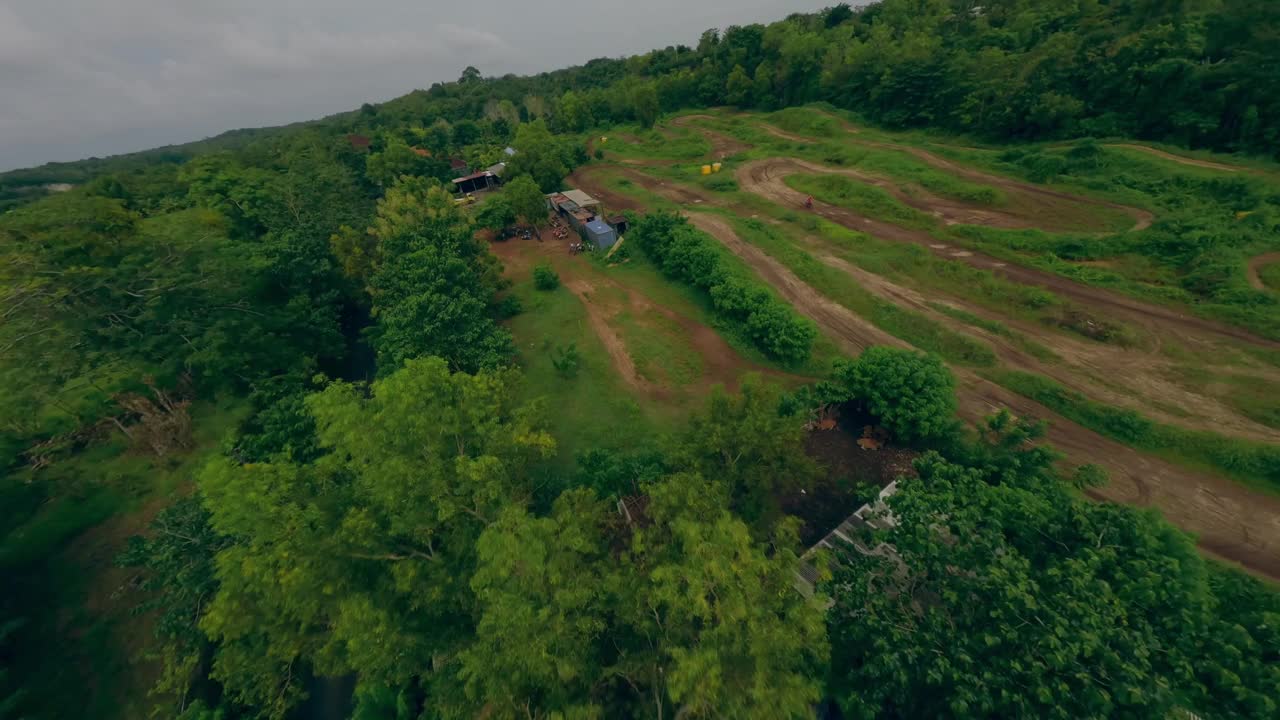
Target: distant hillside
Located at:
point(18, 187)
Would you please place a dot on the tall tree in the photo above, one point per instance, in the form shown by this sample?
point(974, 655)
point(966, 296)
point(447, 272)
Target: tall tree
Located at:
point(1004, 601)
point(539, 155)
point(361, 561)
point(526, 200)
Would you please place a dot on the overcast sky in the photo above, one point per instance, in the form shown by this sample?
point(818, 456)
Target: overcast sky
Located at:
point(98, 77)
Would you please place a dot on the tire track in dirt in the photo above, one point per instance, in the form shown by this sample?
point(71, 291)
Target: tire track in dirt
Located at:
point(1230, 520)
point(765, 178)
point(1142, 218)
point(952, 212)
point(1256, 263)
point(1082, 361)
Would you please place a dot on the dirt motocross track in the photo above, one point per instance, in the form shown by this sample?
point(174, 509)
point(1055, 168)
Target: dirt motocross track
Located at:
point(766, 178)
point(1232, 521)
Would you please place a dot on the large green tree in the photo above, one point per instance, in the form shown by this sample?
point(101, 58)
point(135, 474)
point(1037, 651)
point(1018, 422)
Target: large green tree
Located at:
point(433, 284)
point(540, 155)
point(526, 200)
point(360, 562)
point(911, 393)
point(1005, 601)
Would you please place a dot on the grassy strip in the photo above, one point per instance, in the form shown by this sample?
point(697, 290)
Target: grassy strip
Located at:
point(590, 405)
point(910, 326)
point(1255, 464)
point(1031, 347)
point(867, 199)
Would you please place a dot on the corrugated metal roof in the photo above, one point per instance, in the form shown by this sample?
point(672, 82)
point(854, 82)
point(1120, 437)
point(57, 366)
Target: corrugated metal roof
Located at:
point(598, 227)
point(581, 198)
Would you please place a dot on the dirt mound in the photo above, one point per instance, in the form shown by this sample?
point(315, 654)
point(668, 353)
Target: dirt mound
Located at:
point(722, 146)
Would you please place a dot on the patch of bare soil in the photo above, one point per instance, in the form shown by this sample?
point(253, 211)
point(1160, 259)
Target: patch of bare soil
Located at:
point(1178, 158)
point(1255, 266)
point(765, 178)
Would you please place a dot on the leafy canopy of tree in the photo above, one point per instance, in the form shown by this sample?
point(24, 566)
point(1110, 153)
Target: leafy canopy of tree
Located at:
point(526, 200)
point(912, 394)
point(996, 600)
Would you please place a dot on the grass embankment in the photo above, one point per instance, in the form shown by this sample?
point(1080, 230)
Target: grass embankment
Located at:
point(1255, 464)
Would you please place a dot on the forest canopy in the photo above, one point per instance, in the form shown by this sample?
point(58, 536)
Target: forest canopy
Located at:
point(291, 352)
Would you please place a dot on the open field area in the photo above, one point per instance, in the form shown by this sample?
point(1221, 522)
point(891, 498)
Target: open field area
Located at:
point(1054, 295)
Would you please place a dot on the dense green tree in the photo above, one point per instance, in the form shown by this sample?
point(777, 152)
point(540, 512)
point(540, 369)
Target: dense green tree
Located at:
point(644, 101)
point(744, 442)
point(1005, 601)
point(716, 625)
point(543, 584)
point(539, 155)
point(911, 393)
point(376, 540)
point(527, 201)
point(497, 212)
point(397, 159)
point(434, 288)
point(738, 89)
point(176, 561)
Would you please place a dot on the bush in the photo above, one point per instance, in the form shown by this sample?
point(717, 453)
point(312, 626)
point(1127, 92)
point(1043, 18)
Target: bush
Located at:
point(544, 278)
point(912, 394)
point(508, 307)
point(599, 153)
point(566, 360)
point(684, 253)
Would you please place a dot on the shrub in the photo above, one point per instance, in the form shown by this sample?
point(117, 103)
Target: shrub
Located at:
point(912, 394)
point(685, 254)
point(566, 360)
point(544, 278)
point(508, 307)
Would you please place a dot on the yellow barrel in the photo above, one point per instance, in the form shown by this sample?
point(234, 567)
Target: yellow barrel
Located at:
point(706, 169)
point(715, 167)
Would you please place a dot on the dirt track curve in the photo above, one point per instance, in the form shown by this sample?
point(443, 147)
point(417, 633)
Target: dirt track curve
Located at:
point(766, 178)
point(1231, 521)
point(1255, 266)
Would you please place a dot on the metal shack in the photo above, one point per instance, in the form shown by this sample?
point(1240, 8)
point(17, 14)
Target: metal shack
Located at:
point(599, 233)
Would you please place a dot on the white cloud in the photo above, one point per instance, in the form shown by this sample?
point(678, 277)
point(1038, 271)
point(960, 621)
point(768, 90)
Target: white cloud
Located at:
point(83, 77)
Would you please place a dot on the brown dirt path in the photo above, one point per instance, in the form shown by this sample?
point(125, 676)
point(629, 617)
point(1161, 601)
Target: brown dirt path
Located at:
point(765, 178)
point(1179, 158)
point(952, 212)
point(1230, 520)
point(1255, 266)
point(722, 146)
point(1142, 218)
